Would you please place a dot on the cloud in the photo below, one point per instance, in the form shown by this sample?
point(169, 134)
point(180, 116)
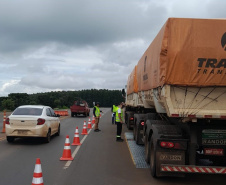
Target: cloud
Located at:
point(74, 22)
point(72, 45)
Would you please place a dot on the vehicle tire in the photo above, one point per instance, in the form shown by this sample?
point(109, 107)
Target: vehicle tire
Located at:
point(126, 115)
point(58, 132)
point(152, 157)
point(147, 150)
point(48, 137)
point(134, 131)
point(138, 138)
point(10, 139)
point(128, 123)
point(88, 113)
point(72, 114)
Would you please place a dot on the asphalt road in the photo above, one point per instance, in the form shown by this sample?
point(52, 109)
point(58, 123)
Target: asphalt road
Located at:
point(99, 161)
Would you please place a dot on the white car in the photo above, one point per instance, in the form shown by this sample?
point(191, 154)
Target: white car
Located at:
point(32, 121)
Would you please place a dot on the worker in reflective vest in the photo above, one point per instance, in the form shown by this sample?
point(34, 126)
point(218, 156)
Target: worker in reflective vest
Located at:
point(113, 110)
point(96, 113)
point(119, 121)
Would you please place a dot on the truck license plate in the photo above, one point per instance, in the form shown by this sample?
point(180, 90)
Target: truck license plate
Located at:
point(214, 151)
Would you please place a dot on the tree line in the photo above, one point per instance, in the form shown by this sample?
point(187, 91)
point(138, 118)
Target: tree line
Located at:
point(62, 99)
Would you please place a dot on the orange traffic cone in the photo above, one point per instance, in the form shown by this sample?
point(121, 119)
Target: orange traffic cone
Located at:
point(100, 115)
point(76, 140)
point(93, 120)
point(84, 130)
point(4, 120)
point(67, 151)
point(89, 124)
point(37, 177)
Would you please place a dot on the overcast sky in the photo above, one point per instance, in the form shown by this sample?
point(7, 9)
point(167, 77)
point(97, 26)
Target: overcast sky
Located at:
point(52, 45)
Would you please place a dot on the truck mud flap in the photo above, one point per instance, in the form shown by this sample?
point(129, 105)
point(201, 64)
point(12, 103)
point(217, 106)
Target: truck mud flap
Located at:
point(164, 157)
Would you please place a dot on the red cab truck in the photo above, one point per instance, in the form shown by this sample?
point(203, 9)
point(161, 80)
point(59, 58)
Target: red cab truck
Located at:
point(80, 107)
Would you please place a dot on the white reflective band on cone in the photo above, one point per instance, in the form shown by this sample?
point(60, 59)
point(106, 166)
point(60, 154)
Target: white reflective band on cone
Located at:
point(67, 140)
point(38, 168)
point(67, 147)
point(37, 180)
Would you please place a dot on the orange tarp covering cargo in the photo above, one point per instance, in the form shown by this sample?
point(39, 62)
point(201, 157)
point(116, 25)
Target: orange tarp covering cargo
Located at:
point(186, 52)
point(132, 85)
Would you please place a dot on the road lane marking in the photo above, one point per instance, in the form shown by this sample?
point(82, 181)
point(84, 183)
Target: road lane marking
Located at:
point(68, 163)
point(76, 150)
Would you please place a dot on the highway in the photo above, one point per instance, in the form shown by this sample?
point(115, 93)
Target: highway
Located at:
point(100, 160)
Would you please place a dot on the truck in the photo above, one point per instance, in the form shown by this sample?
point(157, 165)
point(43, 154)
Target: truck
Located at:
point(176, 98)
point(80, 107)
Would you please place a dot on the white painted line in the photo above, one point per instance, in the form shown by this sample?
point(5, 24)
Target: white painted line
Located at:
point(76, 150)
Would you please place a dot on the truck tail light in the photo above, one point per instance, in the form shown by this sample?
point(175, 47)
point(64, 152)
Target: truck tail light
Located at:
point(7, 121)
point(142, 123)
point(173, 145)
point(165, 144)
point(40, 121)
point(131, 118)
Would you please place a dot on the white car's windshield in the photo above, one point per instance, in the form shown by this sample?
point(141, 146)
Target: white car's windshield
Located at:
point(28, 111)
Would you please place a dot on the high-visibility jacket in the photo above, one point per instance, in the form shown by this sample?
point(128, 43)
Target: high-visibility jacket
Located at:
point(97, 112)
point(117, 116)
point(114, 108)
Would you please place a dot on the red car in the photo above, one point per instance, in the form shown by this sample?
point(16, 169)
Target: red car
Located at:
point(80, 107)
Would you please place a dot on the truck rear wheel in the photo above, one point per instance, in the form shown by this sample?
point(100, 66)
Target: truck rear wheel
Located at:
point(128, 123)
point(138, 135)
point(147, 150)
point(127, 120)
point(134, 131)
point(152, 157)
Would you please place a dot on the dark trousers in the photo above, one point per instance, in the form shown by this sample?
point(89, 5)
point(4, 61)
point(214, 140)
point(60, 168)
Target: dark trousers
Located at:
point(119, 130)
point(113, 119)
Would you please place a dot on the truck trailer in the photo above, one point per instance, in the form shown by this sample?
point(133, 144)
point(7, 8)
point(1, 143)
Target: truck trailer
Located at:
point(176, 98)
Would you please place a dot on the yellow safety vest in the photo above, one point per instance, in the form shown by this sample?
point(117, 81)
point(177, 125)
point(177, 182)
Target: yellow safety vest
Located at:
point(97, 112)
point(117, 117)
point(115, 108)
